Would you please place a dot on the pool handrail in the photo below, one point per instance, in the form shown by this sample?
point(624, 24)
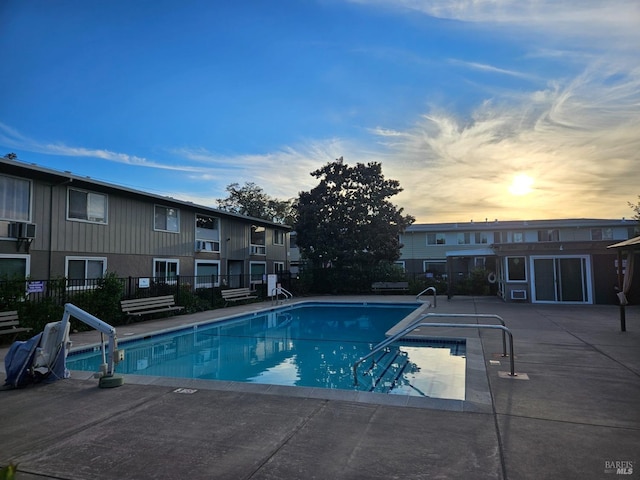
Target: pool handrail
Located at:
point(435, 297)
point(471, 315)
point(280, 290)
point(415, 326)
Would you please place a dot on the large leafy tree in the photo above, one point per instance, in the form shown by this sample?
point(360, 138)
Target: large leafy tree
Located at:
point(347, 219)
point(249, 199)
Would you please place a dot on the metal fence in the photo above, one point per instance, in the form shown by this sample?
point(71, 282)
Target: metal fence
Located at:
point(63, 290)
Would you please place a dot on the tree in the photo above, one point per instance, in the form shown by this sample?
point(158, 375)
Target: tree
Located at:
point(250, 200)
point(11, 156)
point(347, 219)
point(636, 209)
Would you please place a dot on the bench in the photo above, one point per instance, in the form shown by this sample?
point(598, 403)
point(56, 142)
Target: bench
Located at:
point(235, 294)
point(10, 324)
point(146, 306)
point(379, 287)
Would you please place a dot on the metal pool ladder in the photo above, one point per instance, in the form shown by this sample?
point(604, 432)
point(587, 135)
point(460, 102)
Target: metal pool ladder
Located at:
point(275, 295)
point(419, 324)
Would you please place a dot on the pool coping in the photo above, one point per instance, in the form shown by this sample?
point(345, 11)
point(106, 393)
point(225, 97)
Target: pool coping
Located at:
point(477, 394)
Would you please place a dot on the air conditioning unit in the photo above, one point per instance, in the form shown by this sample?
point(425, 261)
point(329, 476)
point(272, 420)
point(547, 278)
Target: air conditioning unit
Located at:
point(22, 230)
point(518, 294)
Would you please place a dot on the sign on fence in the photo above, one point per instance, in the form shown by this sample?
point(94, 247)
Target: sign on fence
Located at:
point(35, 287)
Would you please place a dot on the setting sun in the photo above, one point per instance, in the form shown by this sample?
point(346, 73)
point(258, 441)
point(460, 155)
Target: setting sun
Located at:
point(521, 184)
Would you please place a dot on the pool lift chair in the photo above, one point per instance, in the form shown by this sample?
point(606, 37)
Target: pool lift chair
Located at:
point(43, 357)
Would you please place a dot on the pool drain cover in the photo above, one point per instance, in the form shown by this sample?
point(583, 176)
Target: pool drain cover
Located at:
point(187, 391)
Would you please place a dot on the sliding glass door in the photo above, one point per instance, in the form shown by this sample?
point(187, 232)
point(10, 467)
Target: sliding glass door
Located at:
point(561, 279)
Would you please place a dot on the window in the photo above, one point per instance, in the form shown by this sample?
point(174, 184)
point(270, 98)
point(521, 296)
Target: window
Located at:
point(14, 267)
point(464, 238)
point(257, 246)
point(435, 268)
point(15, 199)
point(293, 241)
point(499, 237)
point(436, 239)
point(278, 237)
point(207, 234)
point(207, 274)
point(278, 267)
point(482, 237)
point(166, 219)
point(165, 269)
point(601, 234)
point(400, 264)
point(479, 262)
point(548, 235)
point(633, 232)
point(257, 271)
point(517, 237)
point(86, 206)
point(516, 269)
point(82, 272)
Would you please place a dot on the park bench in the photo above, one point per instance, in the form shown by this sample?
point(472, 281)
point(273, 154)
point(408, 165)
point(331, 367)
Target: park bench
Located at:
point(147, 306)
point(379, 287)
point(236, 294)
point(10, 324)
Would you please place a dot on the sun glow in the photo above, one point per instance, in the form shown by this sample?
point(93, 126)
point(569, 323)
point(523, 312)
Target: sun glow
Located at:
point(521, 184)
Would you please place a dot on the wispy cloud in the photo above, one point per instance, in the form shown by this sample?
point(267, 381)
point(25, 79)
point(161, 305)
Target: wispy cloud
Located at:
point(577, 141)
point(12, 138)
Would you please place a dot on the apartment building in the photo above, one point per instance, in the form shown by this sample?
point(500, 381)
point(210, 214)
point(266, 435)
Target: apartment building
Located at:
point(540, 261)
point(56, 224)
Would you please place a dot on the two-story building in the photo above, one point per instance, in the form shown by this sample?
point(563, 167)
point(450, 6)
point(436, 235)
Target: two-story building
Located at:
point(56, 224)
point(541, 261)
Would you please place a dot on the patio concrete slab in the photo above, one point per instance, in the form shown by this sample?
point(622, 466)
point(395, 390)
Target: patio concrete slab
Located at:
point(577, 411)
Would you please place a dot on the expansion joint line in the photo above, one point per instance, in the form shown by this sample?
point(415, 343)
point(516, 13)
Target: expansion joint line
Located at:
point(293, 433)
point(503, 464)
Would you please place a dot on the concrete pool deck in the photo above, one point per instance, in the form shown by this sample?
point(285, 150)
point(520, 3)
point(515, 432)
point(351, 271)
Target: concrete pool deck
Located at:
point(576, 415)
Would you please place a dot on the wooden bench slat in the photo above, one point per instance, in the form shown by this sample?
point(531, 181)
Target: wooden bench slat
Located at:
point(149, 305)
point(10, 324)
point(234, 294)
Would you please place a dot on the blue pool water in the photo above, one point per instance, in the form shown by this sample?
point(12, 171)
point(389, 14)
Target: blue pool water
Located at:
point(310, 344)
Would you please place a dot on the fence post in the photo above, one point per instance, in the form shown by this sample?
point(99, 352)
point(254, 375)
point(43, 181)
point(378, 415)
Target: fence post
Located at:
point(178, 289)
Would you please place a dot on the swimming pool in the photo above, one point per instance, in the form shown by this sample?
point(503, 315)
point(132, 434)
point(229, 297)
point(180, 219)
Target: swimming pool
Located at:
point(308, 344)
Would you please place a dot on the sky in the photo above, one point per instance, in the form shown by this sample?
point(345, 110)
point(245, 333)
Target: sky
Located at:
point(481, 109)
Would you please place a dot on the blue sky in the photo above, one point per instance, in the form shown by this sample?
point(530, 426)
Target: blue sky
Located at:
point(456, 98)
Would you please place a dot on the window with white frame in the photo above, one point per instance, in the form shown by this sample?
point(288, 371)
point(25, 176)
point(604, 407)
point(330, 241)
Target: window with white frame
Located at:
point(258, 236)
point(464, 238)
point(82, 272)
point(479, 262)
point(435, 268)
point(516, 269)
point(257, 271)
point(166, 219)
point(436, 239)
point(166, 269)
point(517, 237)
point(482, 237)
point(278, 237)
point(278, 267)
point(15, 199)
point(400, 264)
point(207, 274)
point(207, 233)
point(14, 266)
point(86, 206)
point(601, 234)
